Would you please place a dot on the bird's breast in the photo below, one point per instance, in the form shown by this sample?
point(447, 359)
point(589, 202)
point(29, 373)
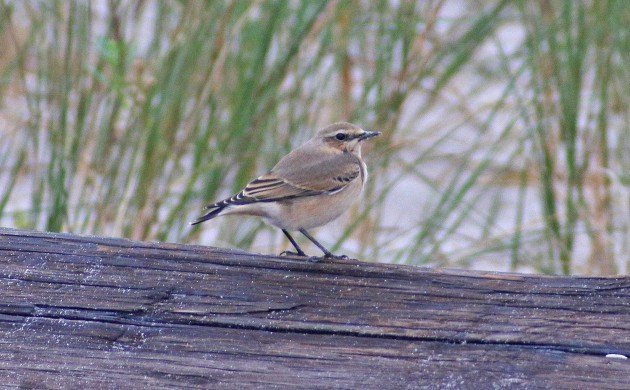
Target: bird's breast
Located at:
point(312, 211)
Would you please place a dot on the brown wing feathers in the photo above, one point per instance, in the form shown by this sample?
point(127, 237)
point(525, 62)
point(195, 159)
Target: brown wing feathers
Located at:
point(327, 176)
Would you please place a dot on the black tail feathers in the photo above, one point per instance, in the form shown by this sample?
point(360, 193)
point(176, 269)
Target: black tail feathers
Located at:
point(215, 210)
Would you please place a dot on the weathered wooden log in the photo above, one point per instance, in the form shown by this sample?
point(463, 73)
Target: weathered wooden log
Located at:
point(93, 312)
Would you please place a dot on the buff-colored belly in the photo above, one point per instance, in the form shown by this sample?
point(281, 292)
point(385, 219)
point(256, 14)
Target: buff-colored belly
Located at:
point(307, 212)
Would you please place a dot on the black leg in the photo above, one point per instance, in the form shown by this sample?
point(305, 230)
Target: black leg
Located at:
point(327, 253)
point(299, 250)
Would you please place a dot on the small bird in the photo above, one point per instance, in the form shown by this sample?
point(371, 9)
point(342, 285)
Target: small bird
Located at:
point(309, 187)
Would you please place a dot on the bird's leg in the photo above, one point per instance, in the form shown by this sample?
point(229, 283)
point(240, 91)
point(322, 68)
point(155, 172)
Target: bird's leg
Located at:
point(327, 253)
point(299, 250)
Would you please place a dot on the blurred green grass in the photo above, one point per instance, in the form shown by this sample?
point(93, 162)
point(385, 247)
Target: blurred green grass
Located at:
point(506, 137)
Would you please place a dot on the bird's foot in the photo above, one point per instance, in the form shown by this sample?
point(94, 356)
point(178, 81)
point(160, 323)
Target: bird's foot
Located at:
point(290, 253)
point(336, 257)
point(310, 259)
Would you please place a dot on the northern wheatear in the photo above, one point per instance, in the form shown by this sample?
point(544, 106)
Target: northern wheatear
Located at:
point(309, 187)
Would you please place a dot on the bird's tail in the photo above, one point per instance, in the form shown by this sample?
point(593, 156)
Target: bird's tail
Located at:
point(214, 211)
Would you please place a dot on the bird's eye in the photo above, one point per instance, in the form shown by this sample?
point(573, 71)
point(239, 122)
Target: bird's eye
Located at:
point(340, 136)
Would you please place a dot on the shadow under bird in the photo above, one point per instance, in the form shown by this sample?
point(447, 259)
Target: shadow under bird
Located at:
point(309, 187)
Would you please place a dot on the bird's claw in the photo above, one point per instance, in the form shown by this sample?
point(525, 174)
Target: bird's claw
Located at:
point(314, 259)
point(310, 259)
point(290, 253)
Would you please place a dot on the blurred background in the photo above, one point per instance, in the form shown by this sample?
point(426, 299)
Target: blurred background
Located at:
point(506, 129)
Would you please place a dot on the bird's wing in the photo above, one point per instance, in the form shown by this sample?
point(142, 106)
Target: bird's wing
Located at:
point(311, 175)
point(299, 174)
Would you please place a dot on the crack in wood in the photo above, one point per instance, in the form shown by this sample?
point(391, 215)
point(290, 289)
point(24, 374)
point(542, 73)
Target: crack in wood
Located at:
point(125, 318)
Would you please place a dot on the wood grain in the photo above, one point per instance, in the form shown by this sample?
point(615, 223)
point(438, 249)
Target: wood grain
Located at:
point(86, 312)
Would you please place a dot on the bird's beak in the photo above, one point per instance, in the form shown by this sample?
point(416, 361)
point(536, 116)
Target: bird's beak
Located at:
point(369, 134)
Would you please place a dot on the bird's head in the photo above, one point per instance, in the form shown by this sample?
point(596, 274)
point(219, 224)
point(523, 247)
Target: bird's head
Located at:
point(344, 137)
